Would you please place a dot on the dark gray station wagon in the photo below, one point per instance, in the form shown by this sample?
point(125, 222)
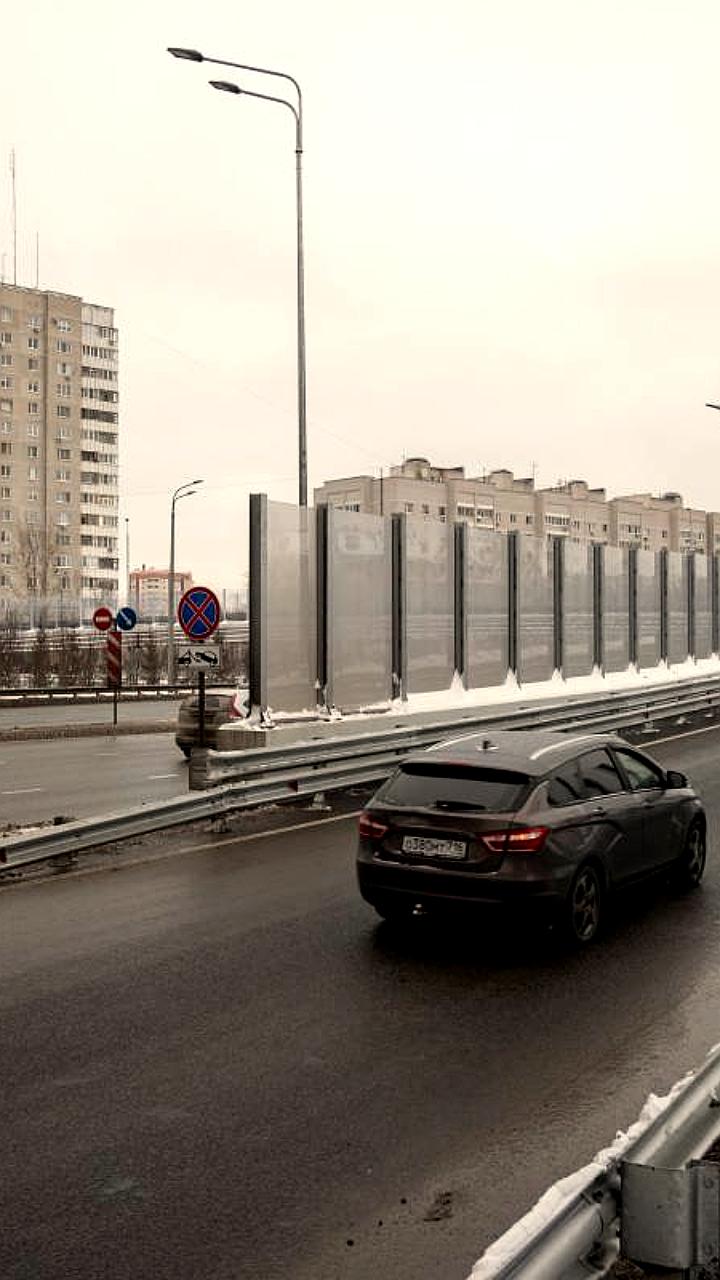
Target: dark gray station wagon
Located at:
point(540, 821)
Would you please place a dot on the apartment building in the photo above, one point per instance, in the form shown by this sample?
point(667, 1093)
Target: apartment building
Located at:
point(499, 500)
point(149, 590)
point(58, 446)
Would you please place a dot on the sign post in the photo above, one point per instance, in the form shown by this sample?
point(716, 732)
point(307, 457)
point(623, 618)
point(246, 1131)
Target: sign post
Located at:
point(199, 616)
point(114, 666)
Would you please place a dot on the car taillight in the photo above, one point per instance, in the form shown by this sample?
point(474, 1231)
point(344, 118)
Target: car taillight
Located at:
point(519, 840)
point(370, 828)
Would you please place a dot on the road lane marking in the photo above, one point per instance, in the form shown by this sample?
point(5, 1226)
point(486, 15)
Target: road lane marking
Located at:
point(22, 791)
point(708, 728)
point(158, 777)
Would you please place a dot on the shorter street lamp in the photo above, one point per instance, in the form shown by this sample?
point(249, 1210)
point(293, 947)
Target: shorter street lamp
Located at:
point(183, 491)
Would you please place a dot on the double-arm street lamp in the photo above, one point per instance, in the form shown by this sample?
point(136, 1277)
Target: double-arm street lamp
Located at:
point(192, 55)
point(183, 491)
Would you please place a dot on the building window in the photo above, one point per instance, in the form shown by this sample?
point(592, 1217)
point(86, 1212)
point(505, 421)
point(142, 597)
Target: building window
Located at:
point(5, 314)
point(5, 492)
point(63, 475)
point(32, 473)
point(33, 495)
point(6, 406)
point(5, 447)
point(5, 428)
point(5, 359)
point(528, 519)
point(6, 382)
point(33, 363)
point(63, 455)
point(62, 410)
point(33, 388)
point(62, 518)
point(33, 344)
point(5, 339)
point(513, 518)
point(35, 322)
point(33, 408)
point(409, 508)
point(5, 471)
point(63, 496)
point(64, 368)
point(33, 429)
point(33, 451)
point(64, 326)
point(5, 515)
point(64, 348)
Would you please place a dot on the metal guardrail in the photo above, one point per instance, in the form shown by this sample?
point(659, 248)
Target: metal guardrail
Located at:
point(276, 774)
point(646, 1202)
point(92, 693)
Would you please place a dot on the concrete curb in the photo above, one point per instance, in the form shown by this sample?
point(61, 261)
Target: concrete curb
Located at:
point(46, 733)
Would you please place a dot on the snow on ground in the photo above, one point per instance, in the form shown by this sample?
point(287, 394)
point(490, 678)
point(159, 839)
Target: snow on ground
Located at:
point(456, 696)
point(567, 1189)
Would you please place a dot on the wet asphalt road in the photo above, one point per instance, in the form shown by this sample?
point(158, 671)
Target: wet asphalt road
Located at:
point(217, 1066)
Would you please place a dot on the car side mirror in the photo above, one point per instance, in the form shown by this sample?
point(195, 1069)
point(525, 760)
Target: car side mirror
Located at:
point(674, 779)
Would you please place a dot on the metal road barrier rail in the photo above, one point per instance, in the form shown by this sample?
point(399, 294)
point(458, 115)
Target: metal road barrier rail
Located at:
point(92, 693)
point(224, 782)
point(656, 1201)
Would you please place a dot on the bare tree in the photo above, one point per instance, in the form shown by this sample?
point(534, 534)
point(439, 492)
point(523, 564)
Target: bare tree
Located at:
point(69, 660)
point(9, 646)
point(152, 658)
point(40, 657)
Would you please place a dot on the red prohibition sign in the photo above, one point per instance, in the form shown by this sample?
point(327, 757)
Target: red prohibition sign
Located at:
point(199, 613)
point(102, 618)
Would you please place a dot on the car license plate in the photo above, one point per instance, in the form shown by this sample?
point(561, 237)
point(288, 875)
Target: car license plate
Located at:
point(431, 848)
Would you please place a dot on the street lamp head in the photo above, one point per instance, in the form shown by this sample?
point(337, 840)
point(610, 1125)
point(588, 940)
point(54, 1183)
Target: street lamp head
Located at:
point(188, 55)
point(226, 86)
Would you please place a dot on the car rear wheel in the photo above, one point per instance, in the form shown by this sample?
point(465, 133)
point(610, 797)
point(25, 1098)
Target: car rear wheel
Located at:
point(691, 864)
point(583, 907)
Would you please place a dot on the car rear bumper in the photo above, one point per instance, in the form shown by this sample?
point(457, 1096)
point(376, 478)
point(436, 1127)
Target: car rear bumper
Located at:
point(541, 893)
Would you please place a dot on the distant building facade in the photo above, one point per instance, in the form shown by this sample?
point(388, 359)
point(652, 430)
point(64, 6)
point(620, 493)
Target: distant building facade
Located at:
point(501, 501)
point(58, 446)
point(149, 591)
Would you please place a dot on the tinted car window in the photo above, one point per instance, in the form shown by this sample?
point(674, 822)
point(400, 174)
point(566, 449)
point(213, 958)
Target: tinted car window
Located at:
point(429, 785)
point(641, 775)
point(599, 775)
point(565, 786)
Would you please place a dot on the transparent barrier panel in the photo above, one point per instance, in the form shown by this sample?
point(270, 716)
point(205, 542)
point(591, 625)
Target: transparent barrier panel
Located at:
point(703, 606)
point(486, 608)
point(577, 609)
point(535, 620)
point(648, 608)
point(616, 609)
point(677, 598)
point(430, 604)
point(360, 606)
point(291, 608)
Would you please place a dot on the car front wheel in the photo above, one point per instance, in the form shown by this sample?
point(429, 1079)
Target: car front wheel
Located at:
point(583, 907)
point(691, 864)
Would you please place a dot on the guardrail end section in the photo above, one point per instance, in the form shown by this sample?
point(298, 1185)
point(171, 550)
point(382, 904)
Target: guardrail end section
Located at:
point(671, 1217)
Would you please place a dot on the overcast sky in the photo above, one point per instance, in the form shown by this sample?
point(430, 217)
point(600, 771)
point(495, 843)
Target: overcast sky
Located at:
point(512, 221)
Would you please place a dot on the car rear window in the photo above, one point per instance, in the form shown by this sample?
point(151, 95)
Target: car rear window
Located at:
point(428, 785)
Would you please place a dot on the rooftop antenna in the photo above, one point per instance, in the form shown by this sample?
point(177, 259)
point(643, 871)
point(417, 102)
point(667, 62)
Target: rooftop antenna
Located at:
point(14, 214)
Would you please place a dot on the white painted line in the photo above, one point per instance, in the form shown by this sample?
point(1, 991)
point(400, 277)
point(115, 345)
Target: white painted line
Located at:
point(23, 791)
point(708, 728)
point(157, 777)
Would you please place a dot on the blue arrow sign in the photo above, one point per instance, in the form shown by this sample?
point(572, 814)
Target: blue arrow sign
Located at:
point(126, 618)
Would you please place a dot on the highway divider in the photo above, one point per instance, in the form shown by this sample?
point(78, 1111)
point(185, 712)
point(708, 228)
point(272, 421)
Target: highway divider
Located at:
point(225, 782)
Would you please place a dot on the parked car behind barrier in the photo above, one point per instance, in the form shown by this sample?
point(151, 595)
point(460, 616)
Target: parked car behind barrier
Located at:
point(529, 820)
point(221, 705)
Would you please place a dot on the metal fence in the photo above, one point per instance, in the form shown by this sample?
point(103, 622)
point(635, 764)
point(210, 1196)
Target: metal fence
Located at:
point(348, 610)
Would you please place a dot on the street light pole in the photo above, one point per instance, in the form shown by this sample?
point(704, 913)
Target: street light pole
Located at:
point(183, 491)
point(192, 55)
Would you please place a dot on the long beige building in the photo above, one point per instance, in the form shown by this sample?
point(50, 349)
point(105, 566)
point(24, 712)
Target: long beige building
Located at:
point(58, 446)
point(499, 500)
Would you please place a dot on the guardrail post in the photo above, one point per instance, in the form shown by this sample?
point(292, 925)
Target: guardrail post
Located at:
point(460, 545)
point(399, 606)
point(257, 601)
point(598, 572)
point(632, 607)
point(512, 616)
